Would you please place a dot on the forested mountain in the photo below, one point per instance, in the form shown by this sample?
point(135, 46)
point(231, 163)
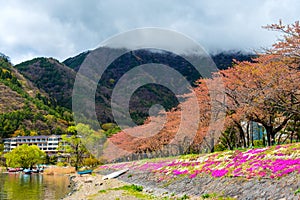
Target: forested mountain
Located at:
point(75, 62)
point(57, 79)
point(224, 60)
point(53, 77)
point(26, 110)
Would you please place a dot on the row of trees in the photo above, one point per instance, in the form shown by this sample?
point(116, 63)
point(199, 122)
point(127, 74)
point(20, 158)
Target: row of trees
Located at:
point(265, 90)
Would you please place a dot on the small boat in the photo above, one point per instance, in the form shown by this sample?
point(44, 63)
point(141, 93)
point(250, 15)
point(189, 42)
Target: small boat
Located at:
point(85, 172)
point(27, 171)
point(12, 170)
point(35, 171)
point(20, 169)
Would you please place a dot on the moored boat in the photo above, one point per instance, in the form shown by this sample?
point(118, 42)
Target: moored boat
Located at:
point(35, 171)
point(41, 170)
point(85, 172)
point(11, 170)
point(27, 171)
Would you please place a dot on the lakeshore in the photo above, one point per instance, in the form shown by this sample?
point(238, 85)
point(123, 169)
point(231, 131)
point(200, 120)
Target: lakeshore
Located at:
point(93, 187)
point(262, 173)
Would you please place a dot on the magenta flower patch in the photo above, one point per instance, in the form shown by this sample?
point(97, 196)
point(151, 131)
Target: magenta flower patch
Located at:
point(272, 162)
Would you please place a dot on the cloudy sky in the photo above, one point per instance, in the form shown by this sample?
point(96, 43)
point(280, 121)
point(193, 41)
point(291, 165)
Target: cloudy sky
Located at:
point(61, 29)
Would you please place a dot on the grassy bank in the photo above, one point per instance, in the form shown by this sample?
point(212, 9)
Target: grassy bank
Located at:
point(270, 162)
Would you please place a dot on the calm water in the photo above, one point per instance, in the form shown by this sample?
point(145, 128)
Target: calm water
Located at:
point(33, 187)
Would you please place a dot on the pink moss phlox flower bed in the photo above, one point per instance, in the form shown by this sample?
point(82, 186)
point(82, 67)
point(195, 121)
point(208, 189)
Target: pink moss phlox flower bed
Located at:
point(269, 162)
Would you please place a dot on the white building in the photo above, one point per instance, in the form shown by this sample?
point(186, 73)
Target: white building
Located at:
point(48, 144)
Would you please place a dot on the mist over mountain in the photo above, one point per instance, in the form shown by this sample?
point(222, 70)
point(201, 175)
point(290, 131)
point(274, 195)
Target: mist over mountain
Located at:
point(56, 79)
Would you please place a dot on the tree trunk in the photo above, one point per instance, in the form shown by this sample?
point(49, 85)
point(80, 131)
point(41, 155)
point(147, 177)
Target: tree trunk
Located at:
point(292, 135)
point(279, 138)
point(242, 134)
point(294, 128)
point(212, 143)
point(248, 135)
point(251, 127)
point(77, 157)
point(269, 132)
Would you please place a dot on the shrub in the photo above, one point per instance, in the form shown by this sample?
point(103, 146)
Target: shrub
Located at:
point(219, 147)
point(258, 143)
point(62, 164)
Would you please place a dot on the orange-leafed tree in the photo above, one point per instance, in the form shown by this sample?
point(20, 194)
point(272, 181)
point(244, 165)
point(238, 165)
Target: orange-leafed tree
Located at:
point(288, 45)
point(211, 98)
point(288, 50)
point(266, 90)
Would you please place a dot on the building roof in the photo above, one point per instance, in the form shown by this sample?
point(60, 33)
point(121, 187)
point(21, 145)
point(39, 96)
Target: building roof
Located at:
point(33, 137)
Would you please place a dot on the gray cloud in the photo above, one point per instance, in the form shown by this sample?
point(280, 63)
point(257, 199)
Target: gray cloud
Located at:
point(64, 28)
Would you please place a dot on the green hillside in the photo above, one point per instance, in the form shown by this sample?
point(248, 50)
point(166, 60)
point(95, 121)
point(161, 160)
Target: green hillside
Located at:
point(24, 109)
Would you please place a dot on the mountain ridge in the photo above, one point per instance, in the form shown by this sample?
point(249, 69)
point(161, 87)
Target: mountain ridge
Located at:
point(57, 78)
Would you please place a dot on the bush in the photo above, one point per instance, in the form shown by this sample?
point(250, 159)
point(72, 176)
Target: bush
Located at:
point(220, 147)
point(108, 126)
point(91, 162)
point(258, 143)
point(62, 164)
point(133, 188)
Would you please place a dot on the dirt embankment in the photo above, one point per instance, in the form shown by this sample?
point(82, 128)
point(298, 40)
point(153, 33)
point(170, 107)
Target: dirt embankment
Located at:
point(93, 187)
point(240, 188)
